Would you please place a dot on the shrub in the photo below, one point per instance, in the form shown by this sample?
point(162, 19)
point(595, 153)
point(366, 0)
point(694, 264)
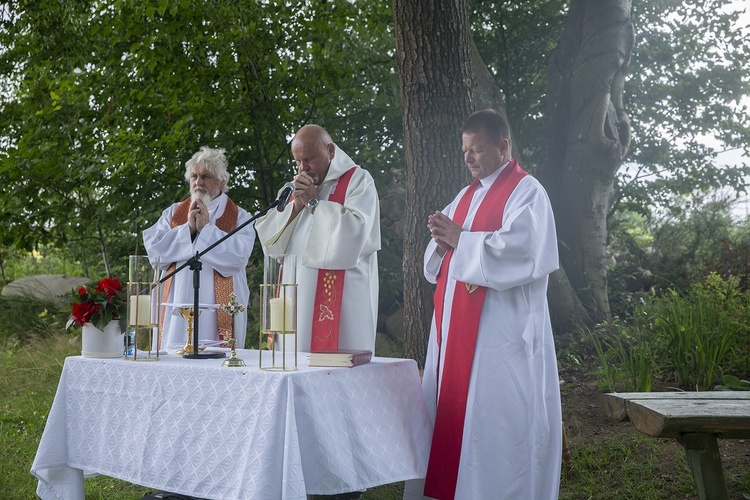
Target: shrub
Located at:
point(691, 339)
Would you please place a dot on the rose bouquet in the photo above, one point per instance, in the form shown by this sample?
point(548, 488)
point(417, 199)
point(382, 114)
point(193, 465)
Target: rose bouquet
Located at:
point(98, 305)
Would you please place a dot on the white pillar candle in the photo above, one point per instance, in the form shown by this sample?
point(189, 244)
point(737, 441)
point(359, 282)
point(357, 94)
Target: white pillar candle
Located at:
point(140, 310)
point(281, 314)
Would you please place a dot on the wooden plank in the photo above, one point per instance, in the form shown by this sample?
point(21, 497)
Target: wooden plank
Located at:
point(671, 414)
point(614, 405)
point(682, 395)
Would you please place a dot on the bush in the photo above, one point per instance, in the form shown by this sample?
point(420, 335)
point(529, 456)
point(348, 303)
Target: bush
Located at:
point(691, 339)
point(24, 318)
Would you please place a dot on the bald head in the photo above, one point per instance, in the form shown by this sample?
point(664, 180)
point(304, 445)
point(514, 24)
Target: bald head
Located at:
point(313, 151)
point(312, 133)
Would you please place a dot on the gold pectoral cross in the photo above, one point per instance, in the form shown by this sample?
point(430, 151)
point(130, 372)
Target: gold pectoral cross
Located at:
point(471, 288)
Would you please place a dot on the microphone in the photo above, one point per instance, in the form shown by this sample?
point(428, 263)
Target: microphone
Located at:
point(284, 194)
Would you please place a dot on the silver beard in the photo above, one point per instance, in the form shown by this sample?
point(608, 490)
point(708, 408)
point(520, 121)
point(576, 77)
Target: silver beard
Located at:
point(202, 195)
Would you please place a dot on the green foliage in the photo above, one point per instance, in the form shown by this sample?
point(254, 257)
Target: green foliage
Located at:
point(732, 383)
point(628, 354)
point(689, 339)
point(108, 98)
point(24, 318)
point(46, 259)
point(688, 75)
point(515, 40)
point(700, 328)
point(687, 243)
point(675, 251)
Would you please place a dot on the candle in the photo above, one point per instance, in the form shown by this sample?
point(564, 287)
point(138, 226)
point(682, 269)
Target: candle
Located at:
point(281, 314)
point(140, 310)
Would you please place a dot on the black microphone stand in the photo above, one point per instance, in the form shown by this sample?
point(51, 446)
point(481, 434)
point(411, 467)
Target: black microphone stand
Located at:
point(195, 265)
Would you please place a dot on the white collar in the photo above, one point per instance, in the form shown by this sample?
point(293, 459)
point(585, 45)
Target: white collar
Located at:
point(340, 164)
point(487, 181)
point(214, 204)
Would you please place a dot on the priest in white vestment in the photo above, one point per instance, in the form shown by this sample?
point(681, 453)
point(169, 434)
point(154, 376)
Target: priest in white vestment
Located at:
point(498, 434)
point(189, 227)
point(333, 232)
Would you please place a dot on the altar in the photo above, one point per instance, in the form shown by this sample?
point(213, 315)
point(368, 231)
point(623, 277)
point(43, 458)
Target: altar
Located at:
point(197, 428)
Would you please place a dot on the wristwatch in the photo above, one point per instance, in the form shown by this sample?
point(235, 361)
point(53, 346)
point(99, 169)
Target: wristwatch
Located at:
point(312, 203)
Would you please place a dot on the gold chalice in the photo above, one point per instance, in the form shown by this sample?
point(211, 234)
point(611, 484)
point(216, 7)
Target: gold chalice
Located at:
point(187, 315)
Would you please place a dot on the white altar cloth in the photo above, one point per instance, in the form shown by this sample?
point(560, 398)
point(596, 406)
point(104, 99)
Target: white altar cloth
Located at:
point(197, 428)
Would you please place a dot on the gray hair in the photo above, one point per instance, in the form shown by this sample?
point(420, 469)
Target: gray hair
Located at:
point(213, 160)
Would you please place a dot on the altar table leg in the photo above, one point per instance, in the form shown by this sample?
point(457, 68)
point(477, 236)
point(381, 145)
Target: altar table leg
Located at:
point(703, 457)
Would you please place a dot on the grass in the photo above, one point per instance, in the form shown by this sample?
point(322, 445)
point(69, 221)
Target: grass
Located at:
point(625, 467)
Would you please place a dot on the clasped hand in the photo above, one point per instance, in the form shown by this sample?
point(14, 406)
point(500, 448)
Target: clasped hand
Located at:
point(197, 216)
point(444, 231)
point(304, 190)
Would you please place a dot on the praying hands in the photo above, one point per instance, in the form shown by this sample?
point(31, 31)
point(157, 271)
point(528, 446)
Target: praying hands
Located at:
point(198, 216)
point(444, 231)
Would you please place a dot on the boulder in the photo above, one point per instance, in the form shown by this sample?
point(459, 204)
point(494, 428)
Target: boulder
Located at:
point(394, 326)
point(53, 288)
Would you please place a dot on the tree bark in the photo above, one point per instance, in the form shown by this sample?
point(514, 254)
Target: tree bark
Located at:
point(588, 137)
point(433, 58)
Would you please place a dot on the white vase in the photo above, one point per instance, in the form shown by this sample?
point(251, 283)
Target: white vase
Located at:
point(96, 343)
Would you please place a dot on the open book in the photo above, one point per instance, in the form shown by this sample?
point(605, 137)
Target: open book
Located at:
point(342, 357)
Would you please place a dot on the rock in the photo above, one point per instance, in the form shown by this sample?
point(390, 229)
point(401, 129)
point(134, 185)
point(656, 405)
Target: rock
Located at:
point(387, 347)
point(395, 326)
point(53, 288)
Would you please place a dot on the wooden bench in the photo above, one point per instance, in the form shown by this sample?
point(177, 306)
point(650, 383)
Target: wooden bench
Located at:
point(696, 420)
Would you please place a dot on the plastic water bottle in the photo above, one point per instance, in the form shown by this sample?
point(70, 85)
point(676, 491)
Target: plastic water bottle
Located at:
point(128, 342)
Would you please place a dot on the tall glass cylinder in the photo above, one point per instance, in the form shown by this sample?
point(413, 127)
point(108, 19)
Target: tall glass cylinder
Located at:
point(143, 306)
point(278, 311)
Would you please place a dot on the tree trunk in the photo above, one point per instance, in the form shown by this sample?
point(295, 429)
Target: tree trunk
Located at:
point(588, 137)
point(435, 79)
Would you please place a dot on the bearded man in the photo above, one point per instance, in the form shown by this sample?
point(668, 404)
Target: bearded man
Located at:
point(189, 227)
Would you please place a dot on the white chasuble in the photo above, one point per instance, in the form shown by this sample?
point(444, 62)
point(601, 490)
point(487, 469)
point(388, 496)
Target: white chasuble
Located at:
point(334, 237)
point(174, 245)
point(512, 440)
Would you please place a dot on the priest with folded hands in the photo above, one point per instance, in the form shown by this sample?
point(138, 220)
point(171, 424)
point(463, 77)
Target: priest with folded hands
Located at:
point(189, 227)
point(490, 380)
point(332, 225)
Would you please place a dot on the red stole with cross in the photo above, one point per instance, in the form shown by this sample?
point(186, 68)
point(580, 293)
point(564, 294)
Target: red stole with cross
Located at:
point(445, 453)
point(223, 285)
point(329, 289)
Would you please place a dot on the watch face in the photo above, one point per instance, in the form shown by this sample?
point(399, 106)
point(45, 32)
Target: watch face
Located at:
point(312, 203)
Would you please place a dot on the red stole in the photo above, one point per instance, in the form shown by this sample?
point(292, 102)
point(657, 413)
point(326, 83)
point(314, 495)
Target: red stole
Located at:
point(223, 285)
point(445, 453)
point(329, 289)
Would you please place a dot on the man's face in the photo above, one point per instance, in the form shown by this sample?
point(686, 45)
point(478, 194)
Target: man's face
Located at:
point(203, 182)
point(313, 158)
point(482, 156)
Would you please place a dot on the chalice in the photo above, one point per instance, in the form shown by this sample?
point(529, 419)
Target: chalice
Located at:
point(187, 315)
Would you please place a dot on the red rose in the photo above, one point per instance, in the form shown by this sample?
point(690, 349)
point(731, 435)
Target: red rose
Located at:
point(82, 290)
point(83, 312)
point(110, 286)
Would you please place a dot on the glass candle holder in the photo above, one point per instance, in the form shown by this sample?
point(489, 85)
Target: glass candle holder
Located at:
point(144, 303)
point(278, 312)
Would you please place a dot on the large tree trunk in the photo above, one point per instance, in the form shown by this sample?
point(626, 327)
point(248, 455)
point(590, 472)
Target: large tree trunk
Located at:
point(588, 137)
point(435, 78)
